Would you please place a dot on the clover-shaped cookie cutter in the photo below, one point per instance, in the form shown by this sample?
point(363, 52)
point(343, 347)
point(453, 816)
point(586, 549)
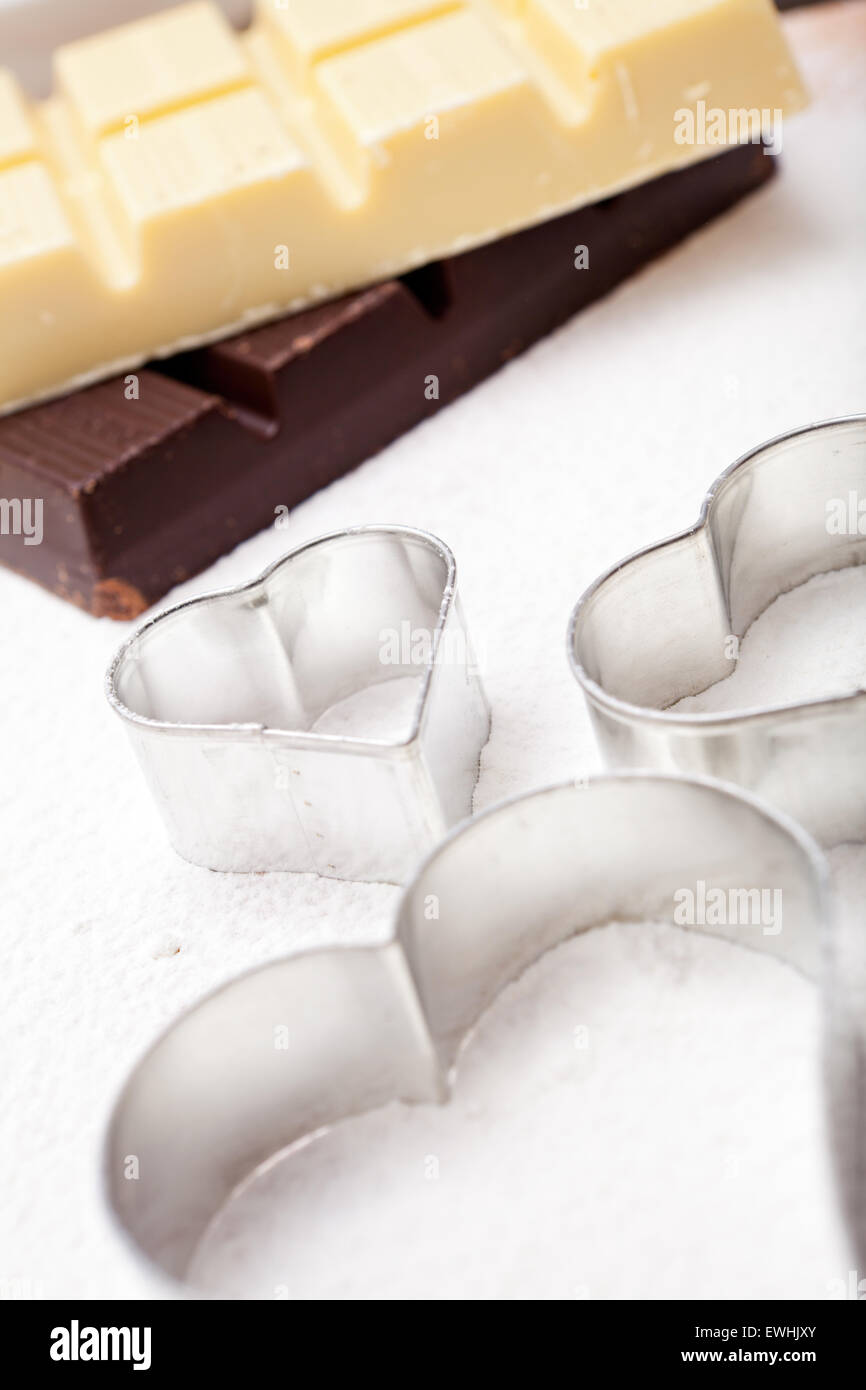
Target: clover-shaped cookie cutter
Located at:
point(222, 698)
point(657, 627)
point(215, 1098)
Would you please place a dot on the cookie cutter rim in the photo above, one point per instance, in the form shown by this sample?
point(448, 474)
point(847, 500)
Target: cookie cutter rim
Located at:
point(443, 1054)
point(208, 691)
point(252, 587)
point(600, 698)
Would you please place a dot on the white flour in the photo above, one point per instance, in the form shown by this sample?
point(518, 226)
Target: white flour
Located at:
point(809, 644)
point(638, 1116)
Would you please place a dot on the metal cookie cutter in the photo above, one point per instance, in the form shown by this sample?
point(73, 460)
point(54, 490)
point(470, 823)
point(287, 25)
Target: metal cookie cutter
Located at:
point(214, 1099)
point(655, 627)
point(224, 699)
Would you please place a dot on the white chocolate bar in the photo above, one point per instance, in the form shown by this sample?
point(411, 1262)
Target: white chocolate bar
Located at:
point(184, 181)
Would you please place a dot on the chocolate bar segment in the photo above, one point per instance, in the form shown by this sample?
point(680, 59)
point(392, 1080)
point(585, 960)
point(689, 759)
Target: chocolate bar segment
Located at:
point(332, 144)
point(145, 480)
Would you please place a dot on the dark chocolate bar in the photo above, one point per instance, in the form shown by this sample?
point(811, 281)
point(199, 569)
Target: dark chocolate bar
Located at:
point(144, 480)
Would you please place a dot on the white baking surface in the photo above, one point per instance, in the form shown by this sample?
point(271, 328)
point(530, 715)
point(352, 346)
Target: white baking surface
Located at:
point(707, 1173)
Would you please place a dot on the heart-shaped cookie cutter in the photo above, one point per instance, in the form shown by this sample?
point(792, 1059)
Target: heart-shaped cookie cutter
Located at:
point(221, 697)
point(301, 1043)
point(658, 626)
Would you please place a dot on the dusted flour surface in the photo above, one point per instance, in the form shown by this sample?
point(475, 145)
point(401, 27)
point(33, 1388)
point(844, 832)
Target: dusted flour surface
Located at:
point(630, 1070)
point(383, 712)
point(680, 1157)
point(808, 645)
